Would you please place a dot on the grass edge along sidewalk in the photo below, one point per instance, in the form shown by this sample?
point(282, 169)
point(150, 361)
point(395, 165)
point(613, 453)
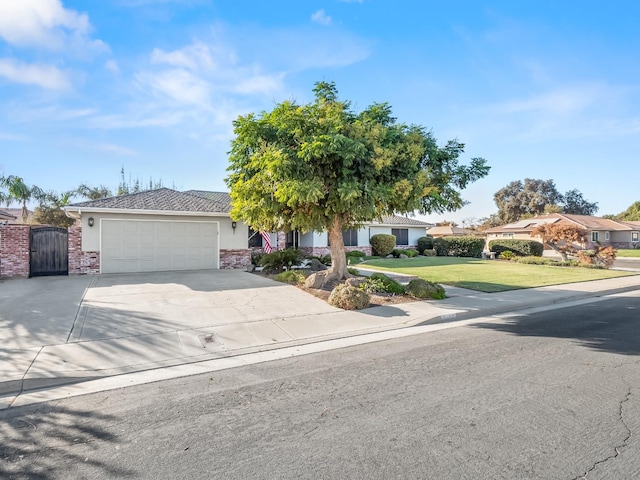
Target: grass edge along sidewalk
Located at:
point(628, 253)
point(489, 276)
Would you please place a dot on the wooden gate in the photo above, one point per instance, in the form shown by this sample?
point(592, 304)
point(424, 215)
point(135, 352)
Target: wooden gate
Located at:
point(49, 251)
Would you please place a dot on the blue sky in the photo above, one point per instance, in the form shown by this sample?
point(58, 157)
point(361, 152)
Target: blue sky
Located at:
point(542, 89)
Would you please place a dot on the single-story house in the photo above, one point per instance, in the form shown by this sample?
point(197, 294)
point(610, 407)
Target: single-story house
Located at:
point(448, 231)
point(6, 217)
point(601, 231)
point(160, 230)
point(406, 230)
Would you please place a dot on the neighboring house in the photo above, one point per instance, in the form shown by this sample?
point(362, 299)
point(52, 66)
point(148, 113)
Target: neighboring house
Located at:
point(406, 230)
point(448, 231)
point(599, 230)
point(16, 213)
point(161, 230)
point(6, 217)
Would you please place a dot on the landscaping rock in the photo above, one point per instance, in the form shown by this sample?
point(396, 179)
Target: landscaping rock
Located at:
point(402, 255)
point(355, 281)
point(316, 280)
point(389, 256)
point(317, 265)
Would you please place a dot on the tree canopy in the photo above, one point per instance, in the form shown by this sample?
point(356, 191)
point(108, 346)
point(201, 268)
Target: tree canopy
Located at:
point(631, 214)
point(322, 166)
point(565, 238)
point(536, 197)
point(19, 192)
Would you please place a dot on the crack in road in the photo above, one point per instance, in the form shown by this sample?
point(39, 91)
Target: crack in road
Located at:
point(617, 447)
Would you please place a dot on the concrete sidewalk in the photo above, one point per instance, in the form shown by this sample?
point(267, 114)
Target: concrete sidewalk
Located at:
point(109, 336)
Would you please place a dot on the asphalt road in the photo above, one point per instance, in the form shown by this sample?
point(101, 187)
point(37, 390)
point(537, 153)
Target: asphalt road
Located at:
point(551, 395)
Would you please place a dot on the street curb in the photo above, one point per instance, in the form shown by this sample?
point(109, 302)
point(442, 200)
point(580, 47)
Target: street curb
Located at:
point(454, 317)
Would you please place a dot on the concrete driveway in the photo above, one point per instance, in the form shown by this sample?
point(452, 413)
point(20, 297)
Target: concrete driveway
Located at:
point(114, 323)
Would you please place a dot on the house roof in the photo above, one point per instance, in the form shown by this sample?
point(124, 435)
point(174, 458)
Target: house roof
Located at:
point(222, 198)
point(585, 221)
point(402, 221)
point(162, 199)
point(633, 224)
point(448, 230)
point(4, 215)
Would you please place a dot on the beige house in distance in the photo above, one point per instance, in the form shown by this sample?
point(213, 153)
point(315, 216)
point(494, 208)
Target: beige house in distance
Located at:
point(601, 231)
point(448, 231)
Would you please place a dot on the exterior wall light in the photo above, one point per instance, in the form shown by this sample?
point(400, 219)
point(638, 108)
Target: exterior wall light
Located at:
point(90, 221)
point(234, 224)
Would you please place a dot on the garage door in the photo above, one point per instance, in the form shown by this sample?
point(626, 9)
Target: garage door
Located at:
point(156, 245)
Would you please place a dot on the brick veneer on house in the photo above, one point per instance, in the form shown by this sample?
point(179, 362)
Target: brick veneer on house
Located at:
point(230, 259)
point(14, 250)
point(81, 262)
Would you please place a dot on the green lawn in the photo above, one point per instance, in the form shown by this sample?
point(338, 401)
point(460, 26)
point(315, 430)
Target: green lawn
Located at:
point(490, 275)
point(628, 253)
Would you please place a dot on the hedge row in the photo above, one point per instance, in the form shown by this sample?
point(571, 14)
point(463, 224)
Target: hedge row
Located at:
point(521, 248)
point(464, 246)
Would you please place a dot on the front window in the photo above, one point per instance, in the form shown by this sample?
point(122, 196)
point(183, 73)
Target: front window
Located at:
point(634, 237)
point(606, 236)
point(255, 239)
point(293, 239)
point(350, 238)
point(594, 236)
point(507, 235)
point(402, 235)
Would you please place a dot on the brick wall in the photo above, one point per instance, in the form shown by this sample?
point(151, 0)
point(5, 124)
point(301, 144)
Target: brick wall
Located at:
point(231, 259)
point(81, 262)
point(14, 250)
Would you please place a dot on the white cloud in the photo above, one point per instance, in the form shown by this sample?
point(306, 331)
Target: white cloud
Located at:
point(321, 17)
point(45, 76)
point(178, 85)
point(112, 66)
point(14, 137)
point(195, 56)
point(46, 24)
point(116, 149)
point(555, 102)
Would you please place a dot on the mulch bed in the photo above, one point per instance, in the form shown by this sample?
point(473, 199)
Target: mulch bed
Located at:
point(377, 299)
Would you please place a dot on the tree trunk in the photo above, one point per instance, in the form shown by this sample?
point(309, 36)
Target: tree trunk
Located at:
point(338, 270)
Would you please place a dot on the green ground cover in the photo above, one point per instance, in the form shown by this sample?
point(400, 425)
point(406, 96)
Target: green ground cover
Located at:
point(628, 253)
point(489, 275)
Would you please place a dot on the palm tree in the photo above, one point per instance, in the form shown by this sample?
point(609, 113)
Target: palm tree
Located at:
point(94, 193)
point(19, 192)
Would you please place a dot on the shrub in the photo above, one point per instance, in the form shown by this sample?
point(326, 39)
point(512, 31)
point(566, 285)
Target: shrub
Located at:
point(256, 257)
point(356, 253)
point(349, 298)
point(506, 255)
point(353, 271)
point(293, 277)
point(281, 259)
point(396, 252)
point(463, 246)
point(520, 248)
point(323, 259)
point(601, 256)
point(425, 243)
point(390, 285)
point(419, 288)
point(373, 285)
point(429, 252)
point(410, 252)
point(382, 244)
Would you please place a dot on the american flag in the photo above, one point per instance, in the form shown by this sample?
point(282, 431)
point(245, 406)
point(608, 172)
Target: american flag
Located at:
point(266, 242)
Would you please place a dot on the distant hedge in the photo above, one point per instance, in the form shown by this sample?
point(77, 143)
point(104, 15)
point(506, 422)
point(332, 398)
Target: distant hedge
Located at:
point(464, 246)
point(521, 248)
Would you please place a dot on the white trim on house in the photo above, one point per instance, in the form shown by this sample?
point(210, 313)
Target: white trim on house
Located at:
point(127, 211)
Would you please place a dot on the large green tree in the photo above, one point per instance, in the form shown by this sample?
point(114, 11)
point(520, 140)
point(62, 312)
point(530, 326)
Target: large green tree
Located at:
point(632, 213)
point(322, 166)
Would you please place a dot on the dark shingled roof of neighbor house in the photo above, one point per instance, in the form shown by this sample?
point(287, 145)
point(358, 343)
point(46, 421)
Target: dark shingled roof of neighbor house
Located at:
point(160, 199)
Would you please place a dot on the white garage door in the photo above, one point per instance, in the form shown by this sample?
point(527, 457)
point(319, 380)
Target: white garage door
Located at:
point(156, 245)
